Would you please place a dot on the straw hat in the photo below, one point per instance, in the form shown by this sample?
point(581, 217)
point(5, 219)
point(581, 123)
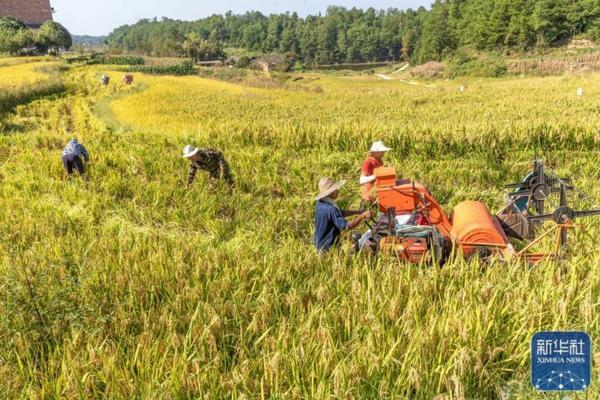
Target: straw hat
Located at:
point(328, 186)
point(189, 151)
point(379, 147)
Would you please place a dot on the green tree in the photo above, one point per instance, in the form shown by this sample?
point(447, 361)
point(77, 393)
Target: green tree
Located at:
point(193, 45)
point(52, 37)
point(390, 37)
point(290, 41)
point(519, 32)
point(327, 42)
point(210, 50)
point(550, 21)
point(274, 30)
point(12, 24)
point(14, 35)
point(308, 40)
point(435, 39)
point(353, 35)
point(583, 16)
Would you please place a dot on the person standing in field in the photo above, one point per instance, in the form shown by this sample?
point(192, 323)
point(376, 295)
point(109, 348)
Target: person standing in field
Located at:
point(72, 157)
point(330, 220)
point(209, 160)
point(367, 177)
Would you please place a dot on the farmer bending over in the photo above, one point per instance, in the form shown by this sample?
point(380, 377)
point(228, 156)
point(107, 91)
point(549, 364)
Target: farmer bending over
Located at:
point(367, 177)
point(71, 157)
point(329, 219)
point(207, 160)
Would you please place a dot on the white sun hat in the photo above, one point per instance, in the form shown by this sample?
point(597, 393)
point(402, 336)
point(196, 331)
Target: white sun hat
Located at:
point(379, 147)
point(189, 151)
point(328, 186)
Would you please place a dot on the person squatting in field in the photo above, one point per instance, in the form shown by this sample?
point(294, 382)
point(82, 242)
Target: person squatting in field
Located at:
point(330, 220)
point(71, 157)
point(209, 160)
point(367, 177)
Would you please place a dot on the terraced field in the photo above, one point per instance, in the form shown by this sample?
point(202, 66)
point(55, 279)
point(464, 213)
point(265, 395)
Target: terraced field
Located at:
point(22, 81)
point(127, 285)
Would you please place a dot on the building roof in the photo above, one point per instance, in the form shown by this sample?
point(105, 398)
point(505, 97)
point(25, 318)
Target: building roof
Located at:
point(33, 12)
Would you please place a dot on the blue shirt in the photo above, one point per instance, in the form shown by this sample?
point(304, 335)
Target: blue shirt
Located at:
point(75, 149)
point(329, 222)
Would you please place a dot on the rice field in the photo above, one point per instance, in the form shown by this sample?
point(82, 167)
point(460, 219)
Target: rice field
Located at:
point(22, 81)
point(127, 285)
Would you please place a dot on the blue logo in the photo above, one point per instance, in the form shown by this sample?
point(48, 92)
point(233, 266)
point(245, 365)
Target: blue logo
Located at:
point(561, 361)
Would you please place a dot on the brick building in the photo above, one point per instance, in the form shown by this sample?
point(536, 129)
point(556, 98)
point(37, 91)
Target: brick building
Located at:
point(33, 12)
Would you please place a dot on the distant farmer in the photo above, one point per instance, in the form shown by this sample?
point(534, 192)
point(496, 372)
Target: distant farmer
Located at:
point(128, 79)
point(105, 79)
point(367, 177)
point(330, 220)
point(71, 157)
point(209, 160)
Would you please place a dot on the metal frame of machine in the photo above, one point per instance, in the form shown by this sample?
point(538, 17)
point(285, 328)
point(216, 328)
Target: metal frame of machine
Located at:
point(414, 227)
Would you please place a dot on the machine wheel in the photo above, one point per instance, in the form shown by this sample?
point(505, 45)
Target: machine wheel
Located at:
point(484, 254)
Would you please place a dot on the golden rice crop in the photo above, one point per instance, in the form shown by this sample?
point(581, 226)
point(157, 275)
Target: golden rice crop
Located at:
point(17, 77)
point(21, 82)
point(126, 285)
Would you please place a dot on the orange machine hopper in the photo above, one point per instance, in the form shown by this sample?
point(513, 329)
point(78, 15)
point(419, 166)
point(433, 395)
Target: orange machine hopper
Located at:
point(385, 177)
point(402, 196)
point(474, 227)
point(407, 197)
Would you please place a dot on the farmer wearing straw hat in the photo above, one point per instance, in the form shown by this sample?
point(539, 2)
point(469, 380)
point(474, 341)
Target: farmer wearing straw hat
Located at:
point(207, 160)
point(367, 177)
point(330, 221)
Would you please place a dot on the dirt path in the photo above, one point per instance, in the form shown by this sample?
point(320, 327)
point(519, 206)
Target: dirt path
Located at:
point(412, 83)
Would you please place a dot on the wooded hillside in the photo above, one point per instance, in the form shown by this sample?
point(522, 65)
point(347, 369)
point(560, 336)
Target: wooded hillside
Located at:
point(353, 35)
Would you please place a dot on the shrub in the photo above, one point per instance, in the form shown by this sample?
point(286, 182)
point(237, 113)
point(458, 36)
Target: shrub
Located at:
point(77, 59)
point(118, 60)
point(185, 68)
point(467, 62)
point(243, 62)
point(478, 68)
point(299, 67)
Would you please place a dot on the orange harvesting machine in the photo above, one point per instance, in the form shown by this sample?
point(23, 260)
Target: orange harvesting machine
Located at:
point(414, 227)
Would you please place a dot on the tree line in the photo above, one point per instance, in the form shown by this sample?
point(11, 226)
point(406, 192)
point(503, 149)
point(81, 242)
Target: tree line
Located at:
point(353, 35)
point(17, 39)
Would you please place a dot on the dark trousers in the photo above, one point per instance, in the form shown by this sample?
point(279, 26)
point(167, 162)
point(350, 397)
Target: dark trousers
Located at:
point(225, 175)
point(71, 161)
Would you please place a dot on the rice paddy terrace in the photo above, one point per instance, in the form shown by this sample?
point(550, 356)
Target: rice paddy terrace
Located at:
point(127, 285)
